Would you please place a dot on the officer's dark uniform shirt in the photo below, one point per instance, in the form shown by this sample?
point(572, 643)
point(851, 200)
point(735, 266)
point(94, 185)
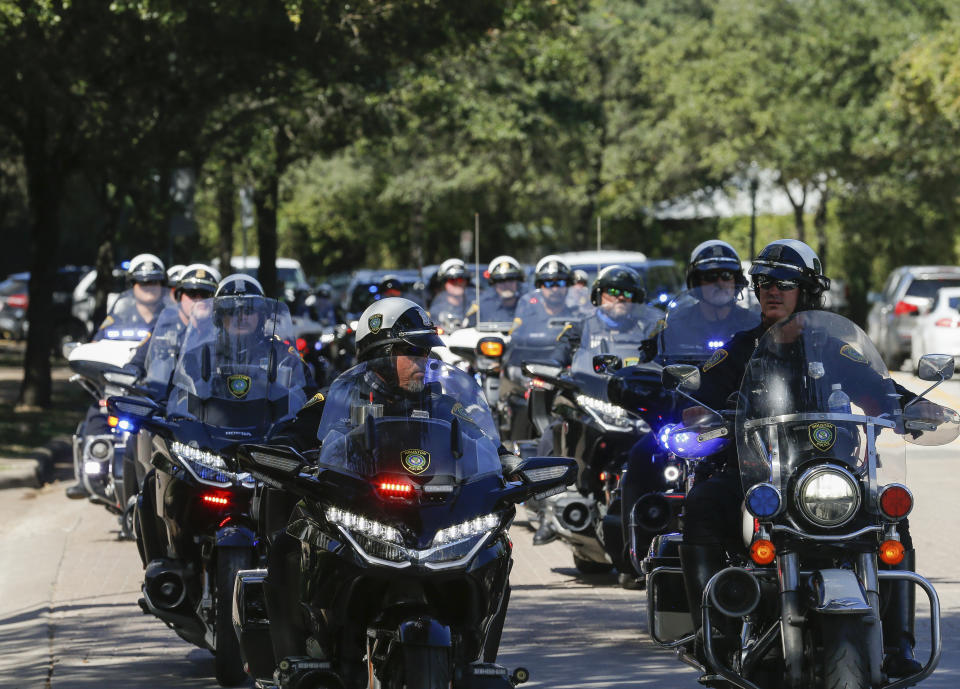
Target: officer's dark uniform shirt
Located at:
point(125, 322)
point(441, 308)
point(534, 330)
point(600, 334)
point(161, 347)
point(492, 309)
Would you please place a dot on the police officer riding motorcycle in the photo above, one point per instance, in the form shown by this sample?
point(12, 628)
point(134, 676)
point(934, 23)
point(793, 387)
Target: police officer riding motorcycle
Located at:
point(449, 308)
point(497, 305)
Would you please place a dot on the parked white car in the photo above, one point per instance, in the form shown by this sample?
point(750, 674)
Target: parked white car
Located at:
point(938, 331)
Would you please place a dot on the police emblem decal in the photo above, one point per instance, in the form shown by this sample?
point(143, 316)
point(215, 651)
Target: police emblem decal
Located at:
point(823, 435)
point(717, 357)
point(415, 461)
point(375, 322)
point(852, 354)
point(238, 385)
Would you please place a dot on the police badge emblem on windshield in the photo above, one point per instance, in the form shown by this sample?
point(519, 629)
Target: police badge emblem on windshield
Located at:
point(415, 461)
point(823, 435)
point(238, 385)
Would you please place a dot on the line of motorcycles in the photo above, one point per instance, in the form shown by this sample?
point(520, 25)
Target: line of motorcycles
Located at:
point(403, 579)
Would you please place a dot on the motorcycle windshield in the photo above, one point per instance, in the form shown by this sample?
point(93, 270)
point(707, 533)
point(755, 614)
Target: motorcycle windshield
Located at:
point(622, 337)
point(126, 322)
point(237, 367)
point(408, 418)
point(163, 348)
point(816, 390)
point(702, 320)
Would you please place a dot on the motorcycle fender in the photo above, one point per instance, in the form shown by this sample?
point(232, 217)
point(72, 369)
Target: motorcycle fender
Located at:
point(838, 592)
point(236, 536)
point(424, 631)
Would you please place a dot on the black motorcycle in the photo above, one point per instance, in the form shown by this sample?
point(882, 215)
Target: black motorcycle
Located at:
point(235, 379)
point(401, 552)
point(819, 434)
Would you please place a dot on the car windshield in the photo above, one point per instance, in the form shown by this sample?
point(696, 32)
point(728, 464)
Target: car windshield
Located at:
point(292, 278)
point(237, 367)
point(703, 319)
point(412, 417)
point(928, 288)
point(816, 390)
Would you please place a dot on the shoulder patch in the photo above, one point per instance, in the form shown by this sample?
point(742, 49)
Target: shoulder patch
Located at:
point(472, 310)
point(658, 327)
point(458, 410)
point(316, 399)
point(108, 321)
point(717, 357)
point(566, 327)
point(851, 353)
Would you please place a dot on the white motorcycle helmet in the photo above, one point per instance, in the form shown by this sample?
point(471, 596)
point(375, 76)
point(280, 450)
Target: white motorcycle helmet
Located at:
point(394, 321)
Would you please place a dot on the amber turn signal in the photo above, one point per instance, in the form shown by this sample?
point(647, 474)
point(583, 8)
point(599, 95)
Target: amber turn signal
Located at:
point(112, 421)
point(891, 552)
point(763, 552)
point(491, 348)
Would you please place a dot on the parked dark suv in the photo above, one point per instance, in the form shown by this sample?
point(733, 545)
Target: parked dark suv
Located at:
point(15, 297)
point(908, 292)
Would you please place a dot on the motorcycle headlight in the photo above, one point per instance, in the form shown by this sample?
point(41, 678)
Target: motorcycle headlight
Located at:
point(828, 496)
point(611, 416)
point(208, 467)
point(100, 449)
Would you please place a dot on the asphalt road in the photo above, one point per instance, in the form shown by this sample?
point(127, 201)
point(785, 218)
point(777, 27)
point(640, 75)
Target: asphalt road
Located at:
point(69, 618)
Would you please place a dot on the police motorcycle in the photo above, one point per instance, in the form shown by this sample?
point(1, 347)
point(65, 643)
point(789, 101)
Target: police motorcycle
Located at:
point(820, 438)
point(404, 554)
point(652, 499)
point(100, 439)
point(235, 379)
point(571, 410)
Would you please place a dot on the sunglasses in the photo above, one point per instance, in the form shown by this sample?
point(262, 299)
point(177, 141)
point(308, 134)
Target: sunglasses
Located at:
point(765, 282)
point(553, 283)
point(196, 294)
point(715, 275)
point(459, 282)
point(404, 349)
point(617, 292)
point(148, 283)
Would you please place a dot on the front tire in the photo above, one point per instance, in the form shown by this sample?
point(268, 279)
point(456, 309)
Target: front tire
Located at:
point(591, 567)
point(846, 663)
point(228, 664)
point(426, 667)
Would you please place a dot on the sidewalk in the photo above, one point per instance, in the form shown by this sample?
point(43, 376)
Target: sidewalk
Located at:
point(49, 463)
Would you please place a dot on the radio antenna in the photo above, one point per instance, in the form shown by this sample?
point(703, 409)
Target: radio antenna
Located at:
point(476, 259)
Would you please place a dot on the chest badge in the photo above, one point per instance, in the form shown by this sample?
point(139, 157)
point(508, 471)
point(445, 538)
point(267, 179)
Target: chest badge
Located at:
point(238, 385)
point(823, 435)
point(415, 461)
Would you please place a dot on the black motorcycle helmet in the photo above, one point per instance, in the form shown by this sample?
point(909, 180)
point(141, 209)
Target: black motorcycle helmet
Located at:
point(393, 322)
point(390, 283)
point(791, 259)
point(620, 277)
point(197, 277)
point(714, 254)
point(551, 268)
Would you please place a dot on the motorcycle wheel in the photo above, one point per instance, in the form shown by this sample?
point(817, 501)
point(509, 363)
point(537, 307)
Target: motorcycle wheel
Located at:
point(228, 664)
point(845, 659)
point(591, 567)
point(425, 668)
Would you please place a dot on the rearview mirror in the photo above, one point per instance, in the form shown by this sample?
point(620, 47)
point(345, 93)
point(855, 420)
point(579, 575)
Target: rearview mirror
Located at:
point(684, 376)
point(607, 363)
point(134, 407)
point(935, 367)
point(544, 472)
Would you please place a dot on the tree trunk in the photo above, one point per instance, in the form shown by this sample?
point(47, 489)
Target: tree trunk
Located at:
point(266, 198)
point(820, 225)
point(45, 184)
point(799, 205)
point(226, 217)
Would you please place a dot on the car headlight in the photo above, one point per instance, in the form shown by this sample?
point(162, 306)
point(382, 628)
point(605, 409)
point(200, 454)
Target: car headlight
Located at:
point(611, 416)
point(383, 544)
point(828, 495)
point(208, 467)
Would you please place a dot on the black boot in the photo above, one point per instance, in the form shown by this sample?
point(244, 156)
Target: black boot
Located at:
point(898, 639)
point(700, 563)
point(77, 491)
point(545, 534)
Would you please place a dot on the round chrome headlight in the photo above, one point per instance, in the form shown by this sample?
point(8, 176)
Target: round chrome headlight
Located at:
point(99, 449)
point(828, 496)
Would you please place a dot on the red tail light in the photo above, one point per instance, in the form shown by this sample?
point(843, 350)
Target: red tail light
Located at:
point(215, 499)
point(394, 489)
point(17, 301)
point(903, 308)
point(948, 323)
point(301, 344)
point(896, 501)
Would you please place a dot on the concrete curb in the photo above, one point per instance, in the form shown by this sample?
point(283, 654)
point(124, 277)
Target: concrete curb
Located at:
point(33, 473)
